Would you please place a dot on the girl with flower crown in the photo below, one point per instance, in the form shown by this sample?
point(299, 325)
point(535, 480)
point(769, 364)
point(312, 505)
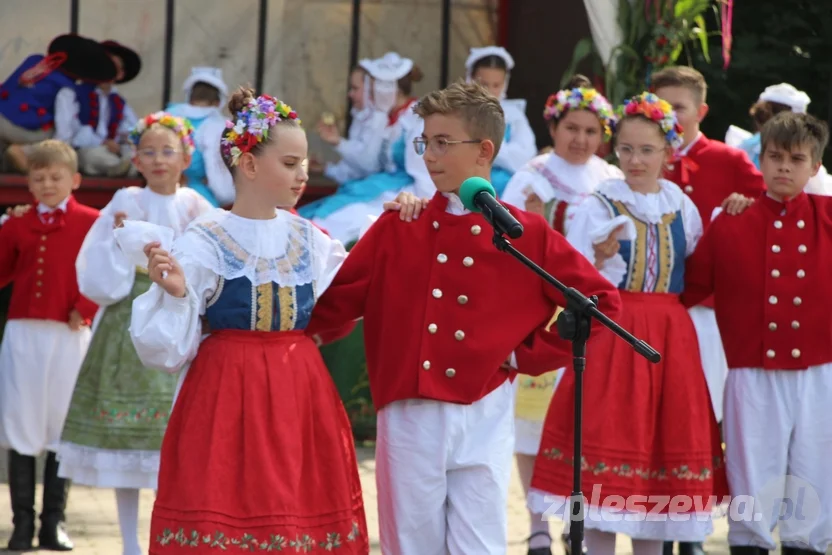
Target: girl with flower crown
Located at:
point(553, 185)
point(119, 410)
point(638, 231)
point(258, 454)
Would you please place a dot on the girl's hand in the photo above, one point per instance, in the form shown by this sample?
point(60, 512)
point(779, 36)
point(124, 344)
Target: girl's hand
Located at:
point(18, 210)
point(165, 271)
point(408, 205)
point(76, 321)
point(329, 133)
point(535, 205)
point(608, 247)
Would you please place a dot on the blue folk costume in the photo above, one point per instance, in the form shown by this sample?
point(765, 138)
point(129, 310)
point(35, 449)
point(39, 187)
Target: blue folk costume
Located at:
point(663, 450)
point(207, 173)
point(257, 410)
point(27, 96)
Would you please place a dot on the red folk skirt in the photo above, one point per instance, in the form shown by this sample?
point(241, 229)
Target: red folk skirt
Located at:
point(648, 429)
point(258, 454)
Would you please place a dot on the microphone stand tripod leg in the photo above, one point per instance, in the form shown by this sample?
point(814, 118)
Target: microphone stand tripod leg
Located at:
point(574, 325)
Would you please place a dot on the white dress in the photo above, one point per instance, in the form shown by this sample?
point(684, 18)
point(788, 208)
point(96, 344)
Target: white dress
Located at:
point(89, 453)
point(361, 150)
point(557, 183)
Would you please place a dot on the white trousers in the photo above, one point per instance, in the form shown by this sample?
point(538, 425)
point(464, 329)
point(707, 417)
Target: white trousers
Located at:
point(442, 474)
point(39, 363)
point(778, 437)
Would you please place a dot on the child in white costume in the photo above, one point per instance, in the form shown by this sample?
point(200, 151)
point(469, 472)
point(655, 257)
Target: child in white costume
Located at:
point(344, 213)
point(206, 92)
point(361, 151)
point(775, 99)
point(491, 67)
point(553, 185)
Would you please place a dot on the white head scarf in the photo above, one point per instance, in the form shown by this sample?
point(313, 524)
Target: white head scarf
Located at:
point(787, 95)
point(386, 72)
point(478, 54)
point(209, 75)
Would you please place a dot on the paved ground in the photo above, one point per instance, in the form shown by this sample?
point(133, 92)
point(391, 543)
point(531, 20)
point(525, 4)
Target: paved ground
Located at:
point(93, 524)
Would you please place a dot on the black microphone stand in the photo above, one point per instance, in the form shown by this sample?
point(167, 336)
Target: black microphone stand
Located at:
point(574, 325)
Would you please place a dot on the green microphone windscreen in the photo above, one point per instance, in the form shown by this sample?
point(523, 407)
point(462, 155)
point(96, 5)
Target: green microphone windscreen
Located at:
point(470, 188)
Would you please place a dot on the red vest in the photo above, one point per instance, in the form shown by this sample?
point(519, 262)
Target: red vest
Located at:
point(40, 259)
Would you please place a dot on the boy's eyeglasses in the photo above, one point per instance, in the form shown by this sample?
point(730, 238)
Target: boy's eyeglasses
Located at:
point(438, 145)
point(165, 154)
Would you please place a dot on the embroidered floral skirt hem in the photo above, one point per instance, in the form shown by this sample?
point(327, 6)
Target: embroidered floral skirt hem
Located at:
point(119, 410)
point(259, 454)
point(650, 440)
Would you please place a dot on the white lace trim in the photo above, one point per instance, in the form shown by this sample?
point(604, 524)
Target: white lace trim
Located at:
point(651, 207)
point(282, 250)
point(82, 457)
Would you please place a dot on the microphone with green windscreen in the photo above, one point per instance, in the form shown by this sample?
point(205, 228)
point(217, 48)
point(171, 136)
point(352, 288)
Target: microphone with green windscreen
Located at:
point(477, 195)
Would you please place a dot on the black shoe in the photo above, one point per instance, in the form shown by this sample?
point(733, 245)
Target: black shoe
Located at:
point(787, 550)
point(22, 490)
point(748, 550)
point(691, 548)
point(52, 535)
point(540, 550)
point(668, 548)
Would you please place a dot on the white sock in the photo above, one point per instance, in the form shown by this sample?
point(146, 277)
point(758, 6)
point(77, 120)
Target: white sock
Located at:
point(648, 547)
point(599, 543)
point(127, 502)
point(539, 534)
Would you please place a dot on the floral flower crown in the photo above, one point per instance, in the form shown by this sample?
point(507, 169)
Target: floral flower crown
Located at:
point(182, 127)
point(581, 99)
point(657, 110)
point(252, 126)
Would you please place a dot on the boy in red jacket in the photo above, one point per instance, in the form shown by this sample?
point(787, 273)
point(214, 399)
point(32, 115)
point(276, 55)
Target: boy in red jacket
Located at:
point(768, 271)
point(443, 310)
point(45, 339)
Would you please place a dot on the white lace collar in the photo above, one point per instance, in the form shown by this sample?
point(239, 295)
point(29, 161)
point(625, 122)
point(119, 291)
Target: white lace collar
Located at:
point(279, 250)
point(650, 207)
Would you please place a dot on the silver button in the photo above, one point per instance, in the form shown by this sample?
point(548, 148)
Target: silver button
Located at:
point(435, 225)
point(801, 274)
point(772, 326)
point(432, 328)
point(802, 249)
point(460, 335)
point(450, 372)
point(475, 230)
point(437, 293)
point(671, 167)
point(801, 224)
point(798, 301)
point(795, 325)
point(778, 224)
point(442, 258)
point(772, 300)
point(462, 299)
point(795, 353)
point(775, 248)
point(468, 261)
point(770, 353)
point(775, 273)
point(426, 365)
point(688, 189)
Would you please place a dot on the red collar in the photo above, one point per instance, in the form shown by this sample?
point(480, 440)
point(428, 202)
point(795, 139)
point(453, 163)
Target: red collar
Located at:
point(396, 114)
point(789, 207)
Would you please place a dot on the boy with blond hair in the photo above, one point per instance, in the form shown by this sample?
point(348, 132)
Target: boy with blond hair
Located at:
point(45, 339)
point(768, 271)
point(448, 320)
